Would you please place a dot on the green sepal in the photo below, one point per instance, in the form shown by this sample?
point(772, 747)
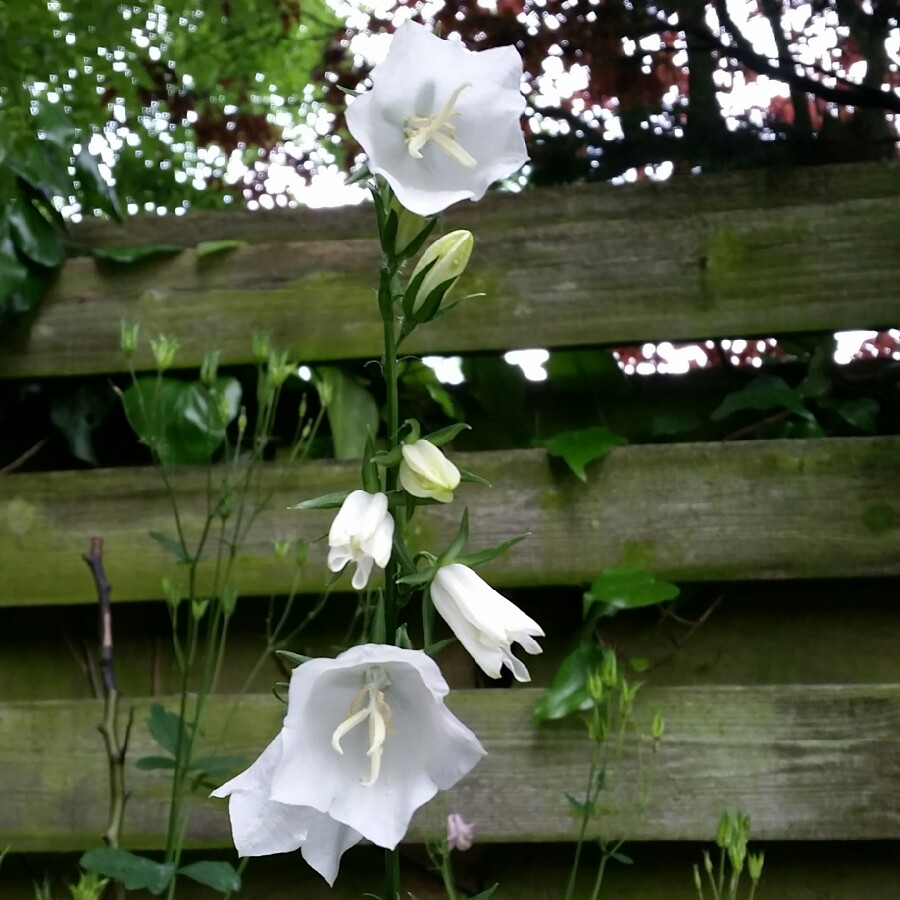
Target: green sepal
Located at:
point(434, 649)
point(325, 501)
point(472, 478)
point(388, 458)
point(388, 223)
point(458, 542)
point(415, 245)
point(280, 690)
point(428, 310)
point(418, 578)
point(411, 292)
point(482, 556)
point(371, 480)
point(445, 435)
point(401, 638)
point(296, 658)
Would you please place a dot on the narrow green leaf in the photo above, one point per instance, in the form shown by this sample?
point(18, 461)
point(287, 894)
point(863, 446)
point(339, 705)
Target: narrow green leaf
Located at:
point(296, 658)
point(482, 556)
point(135, 872)
point(472, 478)
point(126, 255)
point(220, 876)
point(148, 763)
point(585, 445)
point(216, 765)
point(486, 895)
point(325, 501)
point(170, 544)
point(585, 809)
point(210, 248)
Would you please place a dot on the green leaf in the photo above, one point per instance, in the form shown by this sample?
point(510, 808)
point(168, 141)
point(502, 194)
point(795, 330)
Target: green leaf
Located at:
point(445, 435)
point(77, 416)
point(482, 556)
point(170, 544)
point(458, 542)
point(183, 422)
point(625, 587)
point(639, 663)
point(34, 235)
point(126, 255)
point(486, 895)
point(148, 763)
point(568, 690)
point(860, 413)
point(764, 393)
point(220, 876)
point(210, 248)
point(135, 872)
point(97, 191)
point(578, 448)
point(165, 727)
point(817, 382)
point(620, 857)
point(351, 409)
point(325, 501)
point(216, 765)
point(586, 810)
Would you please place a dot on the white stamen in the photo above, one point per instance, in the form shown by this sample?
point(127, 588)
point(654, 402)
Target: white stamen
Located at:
point(377, 712)
point(420, 130)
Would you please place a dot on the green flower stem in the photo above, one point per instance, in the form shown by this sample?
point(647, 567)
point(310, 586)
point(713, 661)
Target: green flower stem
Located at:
point(447, 874)
point(392, 874)
point(590, 797)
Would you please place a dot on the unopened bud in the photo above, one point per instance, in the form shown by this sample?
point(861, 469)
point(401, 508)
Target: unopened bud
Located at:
point(698, 883)
point(261, 348)
point(242, 421)
point(594, 686)
point(439, 269)
point(301, 552)
point(281, 548)
point(755, 865)
point(707, 862)
point(164, 349)
point(129, 337)
point(171, 591)
point(278, 368)
point(724, 831)
point(657, 726)
point(409, 227)
point(198, 609)
point(210, 368)
point(609, 670)
point(229, 599)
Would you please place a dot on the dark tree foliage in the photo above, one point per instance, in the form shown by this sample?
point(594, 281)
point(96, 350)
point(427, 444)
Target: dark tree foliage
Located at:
point(641, 107)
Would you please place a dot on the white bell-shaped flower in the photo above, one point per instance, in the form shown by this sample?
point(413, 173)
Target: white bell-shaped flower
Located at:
point(261, 826)
point(485, 622)
point(362, 532)
point(366, 741)
point(441, 123)
point(425, 472)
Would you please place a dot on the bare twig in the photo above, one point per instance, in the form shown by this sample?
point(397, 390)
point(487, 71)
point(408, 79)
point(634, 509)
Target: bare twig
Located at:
point(109, 726)
point(21, 460)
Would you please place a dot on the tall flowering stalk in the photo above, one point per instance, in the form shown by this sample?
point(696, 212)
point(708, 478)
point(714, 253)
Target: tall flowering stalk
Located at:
point(367, 739)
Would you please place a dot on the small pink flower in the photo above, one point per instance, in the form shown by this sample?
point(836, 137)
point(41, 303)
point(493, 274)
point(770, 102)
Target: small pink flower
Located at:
point(460, 833)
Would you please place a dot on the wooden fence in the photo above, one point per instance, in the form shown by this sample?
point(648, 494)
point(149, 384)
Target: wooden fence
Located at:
point(784, 704)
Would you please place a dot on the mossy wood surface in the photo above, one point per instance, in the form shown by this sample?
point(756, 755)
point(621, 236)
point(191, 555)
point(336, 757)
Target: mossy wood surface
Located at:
point(578, 266)
point(807, 763)
point(725, 511)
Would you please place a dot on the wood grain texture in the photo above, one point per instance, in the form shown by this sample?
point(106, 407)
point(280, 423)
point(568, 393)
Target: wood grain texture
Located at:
point(740, 255)
point(728, 511)
point(807, 763)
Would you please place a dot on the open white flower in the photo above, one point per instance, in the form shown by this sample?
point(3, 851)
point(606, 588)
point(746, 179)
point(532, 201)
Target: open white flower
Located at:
point(425, 472)
point(441, 123)
point(485, 622)
point(366, 741)
point(362, 533)
point(261, 826)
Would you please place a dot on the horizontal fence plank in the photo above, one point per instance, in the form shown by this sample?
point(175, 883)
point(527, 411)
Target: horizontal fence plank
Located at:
point(806, 763)
point(690, 512)
point(560, 268)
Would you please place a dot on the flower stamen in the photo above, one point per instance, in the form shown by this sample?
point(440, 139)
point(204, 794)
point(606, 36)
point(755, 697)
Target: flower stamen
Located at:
point(419, 130)
point(377, 712)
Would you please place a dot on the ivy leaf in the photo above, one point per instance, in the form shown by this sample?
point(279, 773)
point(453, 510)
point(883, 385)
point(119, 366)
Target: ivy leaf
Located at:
point(578, 448)
point(351, 409)
point(135, 872)
point(763, 393)
point(220, 876)
point(626, 587)
point(860, 413)
point(568, 690)
point(77, 416)
point(34, 235)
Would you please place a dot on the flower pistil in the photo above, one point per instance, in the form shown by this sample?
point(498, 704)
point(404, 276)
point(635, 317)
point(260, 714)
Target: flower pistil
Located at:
point(377, 712)
point(420, 130)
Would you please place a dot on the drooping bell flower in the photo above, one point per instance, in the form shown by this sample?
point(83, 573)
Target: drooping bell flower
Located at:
point(362, 533)
point(485, 622)
point(440, 122)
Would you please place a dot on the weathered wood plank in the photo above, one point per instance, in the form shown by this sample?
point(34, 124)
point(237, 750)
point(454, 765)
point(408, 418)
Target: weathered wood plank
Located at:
point(729, 511)
point(807, 763)
point(760, 633)
point(558, 270)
